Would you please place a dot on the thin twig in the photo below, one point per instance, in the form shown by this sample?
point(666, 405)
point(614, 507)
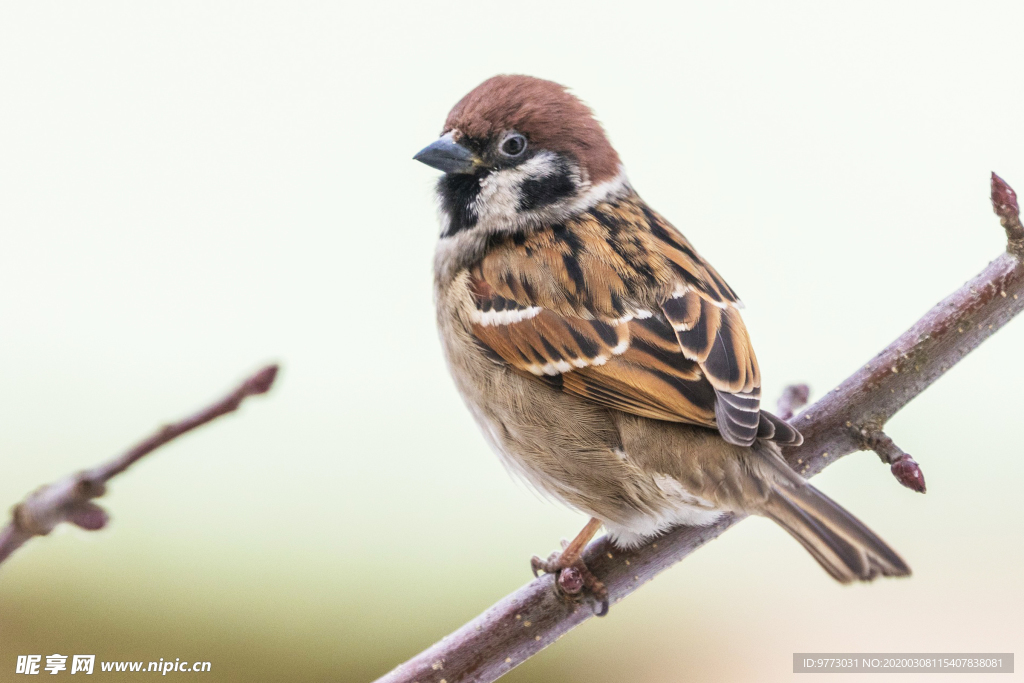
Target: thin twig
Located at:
point(70, 499)
point(794, 397)
point(903, 467)
point(525, 622)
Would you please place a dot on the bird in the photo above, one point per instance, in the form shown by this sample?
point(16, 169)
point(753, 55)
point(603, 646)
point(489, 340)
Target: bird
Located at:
point(605, 360)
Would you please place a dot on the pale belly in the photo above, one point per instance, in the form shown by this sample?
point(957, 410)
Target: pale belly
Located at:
point(569, 448)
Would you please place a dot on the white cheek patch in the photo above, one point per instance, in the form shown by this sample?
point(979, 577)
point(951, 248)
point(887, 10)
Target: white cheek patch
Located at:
point(500, 192)
point(503, 187)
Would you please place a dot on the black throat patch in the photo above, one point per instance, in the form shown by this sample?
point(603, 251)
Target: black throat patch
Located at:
point(458, 191)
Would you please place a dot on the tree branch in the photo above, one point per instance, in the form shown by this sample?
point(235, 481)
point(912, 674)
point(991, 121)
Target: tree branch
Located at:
point(847, 419)
point(70, 499)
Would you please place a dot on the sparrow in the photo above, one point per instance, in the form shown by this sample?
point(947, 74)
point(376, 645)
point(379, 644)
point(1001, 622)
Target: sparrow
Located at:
point(604, 359)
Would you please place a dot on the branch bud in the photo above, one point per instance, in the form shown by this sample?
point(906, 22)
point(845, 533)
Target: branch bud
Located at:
point(908, 472)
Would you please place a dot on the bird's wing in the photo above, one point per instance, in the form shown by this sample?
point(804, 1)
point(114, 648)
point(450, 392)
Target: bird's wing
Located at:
point(705, 314)
point(617, 307)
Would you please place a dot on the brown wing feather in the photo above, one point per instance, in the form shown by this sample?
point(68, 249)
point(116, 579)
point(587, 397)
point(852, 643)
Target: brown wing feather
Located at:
point(704, 312)
point(627, 366)
point(618, 308)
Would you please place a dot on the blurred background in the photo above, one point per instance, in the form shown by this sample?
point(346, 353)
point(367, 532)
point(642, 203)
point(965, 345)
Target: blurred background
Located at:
point(189, 190)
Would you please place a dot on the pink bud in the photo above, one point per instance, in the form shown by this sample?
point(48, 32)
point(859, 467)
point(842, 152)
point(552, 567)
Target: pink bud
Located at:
point(1004, 199)
point(261, 382)
point(89, 516)
point(908, 472)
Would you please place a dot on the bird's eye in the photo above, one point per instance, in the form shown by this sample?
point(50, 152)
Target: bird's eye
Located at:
point(513, 145)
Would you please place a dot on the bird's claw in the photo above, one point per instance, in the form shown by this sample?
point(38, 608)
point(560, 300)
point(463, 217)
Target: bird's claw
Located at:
point(572, 579)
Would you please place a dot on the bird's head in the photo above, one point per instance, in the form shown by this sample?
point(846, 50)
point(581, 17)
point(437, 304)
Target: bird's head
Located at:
point(519, 152)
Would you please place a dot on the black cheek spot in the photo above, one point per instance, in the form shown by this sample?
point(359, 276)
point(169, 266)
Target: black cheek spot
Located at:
point(536, 193)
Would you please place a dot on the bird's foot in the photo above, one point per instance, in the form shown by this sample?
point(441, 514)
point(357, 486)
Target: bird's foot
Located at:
point(572, 577)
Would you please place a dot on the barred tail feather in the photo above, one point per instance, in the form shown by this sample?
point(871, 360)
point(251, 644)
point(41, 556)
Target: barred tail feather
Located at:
point(840, 543)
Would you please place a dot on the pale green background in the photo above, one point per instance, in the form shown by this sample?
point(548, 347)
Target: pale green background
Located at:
point(191, 189)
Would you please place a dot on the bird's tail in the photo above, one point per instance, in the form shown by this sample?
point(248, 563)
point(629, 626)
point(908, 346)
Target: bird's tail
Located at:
point(840, 543)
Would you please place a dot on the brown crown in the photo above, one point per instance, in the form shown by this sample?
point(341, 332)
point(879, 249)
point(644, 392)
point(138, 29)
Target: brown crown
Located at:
point(545, 112)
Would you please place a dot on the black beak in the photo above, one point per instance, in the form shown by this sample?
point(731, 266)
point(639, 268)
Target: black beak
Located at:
point(447, 155)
